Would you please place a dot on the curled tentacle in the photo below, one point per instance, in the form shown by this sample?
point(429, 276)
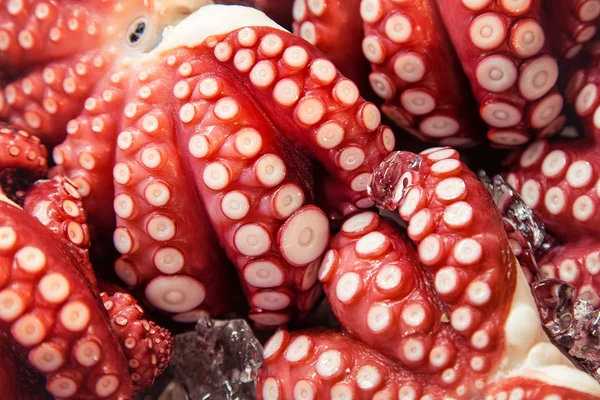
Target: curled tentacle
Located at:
point(578, 264)
point(374, 272)
point(23, 160)
point(50, 312)
point(46, 99)
point(462, 243)
point(146, 345)
point(310, 365)
point(249, 158)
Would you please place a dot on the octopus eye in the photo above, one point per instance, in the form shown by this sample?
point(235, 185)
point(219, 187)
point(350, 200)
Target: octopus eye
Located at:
point(137, 31)
point(137, 34)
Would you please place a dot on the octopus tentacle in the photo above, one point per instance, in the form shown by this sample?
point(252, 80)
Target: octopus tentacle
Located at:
point(146, 345)
point(86, 156)
point(417, 73)
point(57, 205)
point(163, 231)
point(505, 54)
point(310, 364)
point(35, 31)
point(328, 119)
point(462, 244)
point(43, 101)
point(558, 182)
point(477, 246)
point(578, 264)
point(20, 150)
point(335, 28)
point(23, 160)
point(571, 24)
point(374, 272)
point(258, 187)
point(305, 365)
point(40, 285)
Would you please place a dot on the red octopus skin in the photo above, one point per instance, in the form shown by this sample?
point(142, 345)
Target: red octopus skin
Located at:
point(560, 181)
point(50, 310)
point(248, 159)
point(455, 314)
point(504, 53)
point(335, 27)
point(416, 70)
point(54, 317)
point(147, 346)
point(35, 33)
point(578, 264)
point(570, 24)
point(316, 364)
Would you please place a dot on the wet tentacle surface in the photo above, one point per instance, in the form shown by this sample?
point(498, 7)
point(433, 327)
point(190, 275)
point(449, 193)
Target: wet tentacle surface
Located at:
point(469, 266)
point(374, 272)
point(87, 154)
point(46, 99)
point(255, 176)
point(50, 311)
point(417, 73)
point(147, 346)
point(169, 250)
point(571, 24)
point(504, 52)
point(335, 27)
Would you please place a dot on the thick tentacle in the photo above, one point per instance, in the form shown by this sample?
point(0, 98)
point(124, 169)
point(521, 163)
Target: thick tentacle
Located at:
point(51, 313)
point(373, 272)
point(169, 249)
point(46, 99)
point(336, 29)
point(578, 264)
point(57, 205)
point(86, 157)
point(146, 345)
point(505, 54)
point(417, 72)
point(314, 364)
point(22, 151)
point(300, 105)
point(559, 182)
point(462, 242)
point(530, 388)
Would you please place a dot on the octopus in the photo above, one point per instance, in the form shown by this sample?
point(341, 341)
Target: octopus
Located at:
point(205, 141)
point(59, 334)
point(443, 311)
point(448, 70)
